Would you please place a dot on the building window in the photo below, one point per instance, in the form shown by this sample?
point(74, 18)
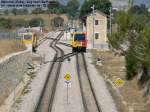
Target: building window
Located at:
point(96, 35)
point(96, 22)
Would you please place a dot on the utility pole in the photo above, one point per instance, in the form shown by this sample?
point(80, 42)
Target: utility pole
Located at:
point(49, 13)
point(93, 14)
point(110, 23)
point(130, 3)
point(40, 26)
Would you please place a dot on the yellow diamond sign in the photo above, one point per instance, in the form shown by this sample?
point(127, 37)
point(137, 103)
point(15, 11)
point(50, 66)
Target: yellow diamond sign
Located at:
point(119, 82)
point(67, 77)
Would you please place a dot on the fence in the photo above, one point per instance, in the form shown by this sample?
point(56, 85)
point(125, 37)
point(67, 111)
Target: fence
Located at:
point(8, 35)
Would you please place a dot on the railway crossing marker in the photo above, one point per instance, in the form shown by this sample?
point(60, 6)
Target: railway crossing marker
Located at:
point(67, 81)
point(67, 77)
point(119, 82)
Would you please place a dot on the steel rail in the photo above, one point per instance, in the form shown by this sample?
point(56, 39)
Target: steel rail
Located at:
point(47, 96)
point(66, 56)
point(89, 99)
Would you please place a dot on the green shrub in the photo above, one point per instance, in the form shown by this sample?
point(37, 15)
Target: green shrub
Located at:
point(14, 11)
point(37, 11)
point(20, 23)
point(5, 23)
point(132, 66)
point(35, 22)
point(57, 22)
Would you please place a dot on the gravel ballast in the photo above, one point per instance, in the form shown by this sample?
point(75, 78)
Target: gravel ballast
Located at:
point(29, 101)
point(105, 99)
point(74, 103)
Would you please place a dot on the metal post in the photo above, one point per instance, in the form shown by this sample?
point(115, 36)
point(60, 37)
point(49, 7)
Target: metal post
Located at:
point(93, 12)
point(67, 94)
point(49, 19)
point(40, 26)
point(130, 4)
point(110, 24)
point(14, 94)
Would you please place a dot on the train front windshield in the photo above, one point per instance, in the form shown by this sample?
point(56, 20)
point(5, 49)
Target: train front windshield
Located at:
point(27, 37)
point(79, 37)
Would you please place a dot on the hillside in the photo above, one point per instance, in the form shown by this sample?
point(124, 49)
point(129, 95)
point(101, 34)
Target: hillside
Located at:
point(10, 46)
point(45, 17)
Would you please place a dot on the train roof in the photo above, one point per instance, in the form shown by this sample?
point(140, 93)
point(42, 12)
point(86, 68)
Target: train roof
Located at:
point(78, 33)
point(28, 33)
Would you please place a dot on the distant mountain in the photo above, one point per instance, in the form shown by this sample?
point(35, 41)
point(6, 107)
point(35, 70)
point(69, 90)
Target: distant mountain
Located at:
point(65, 1)
point(125, 2)
point(146, 2)
point(118, 3)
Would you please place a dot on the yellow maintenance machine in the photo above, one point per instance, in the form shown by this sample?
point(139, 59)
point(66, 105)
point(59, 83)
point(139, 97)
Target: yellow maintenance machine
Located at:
point(30, 39)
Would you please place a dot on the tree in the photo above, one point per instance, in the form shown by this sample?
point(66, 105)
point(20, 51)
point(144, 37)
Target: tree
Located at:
point(132, 65)
point(139, 9)
point(57, 22)
point(35, 22)
point(54, 7)
point(5, 23)
point(19, 23)
point(19, 11)
point(102, 5)
point(22, 11)
point(72, 8)
point(141, 50)
point(133, 40)
point(141, 53)
point(53, 4)
point(37, 11)
point(55, 11)
point(129, 27)
point(14, 11)
point(6, 12)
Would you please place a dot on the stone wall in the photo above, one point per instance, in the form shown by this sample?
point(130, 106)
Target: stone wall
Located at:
point(12, 69)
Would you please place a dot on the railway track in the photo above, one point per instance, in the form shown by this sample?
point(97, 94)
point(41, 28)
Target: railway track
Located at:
point(44, 38)
point(89, 99)
point(62, 43)
point(66, 56)
point(48, 93)
point(45, 103)
point(47, 96)
point(65, 44)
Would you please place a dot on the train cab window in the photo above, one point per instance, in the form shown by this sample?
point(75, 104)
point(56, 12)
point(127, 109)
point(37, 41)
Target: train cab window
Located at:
point(27, 37)
point(96, 35)
point(79, 37)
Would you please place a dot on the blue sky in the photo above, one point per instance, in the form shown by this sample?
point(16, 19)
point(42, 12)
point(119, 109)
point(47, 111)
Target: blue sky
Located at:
point(147, 2)
point(65, 1)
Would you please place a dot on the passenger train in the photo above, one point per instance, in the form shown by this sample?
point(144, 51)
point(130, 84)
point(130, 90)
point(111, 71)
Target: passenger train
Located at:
point(79, 42)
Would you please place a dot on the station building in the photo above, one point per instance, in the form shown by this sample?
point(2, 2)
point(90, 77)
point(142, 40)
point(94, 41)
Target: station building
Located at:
point(96, 30)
